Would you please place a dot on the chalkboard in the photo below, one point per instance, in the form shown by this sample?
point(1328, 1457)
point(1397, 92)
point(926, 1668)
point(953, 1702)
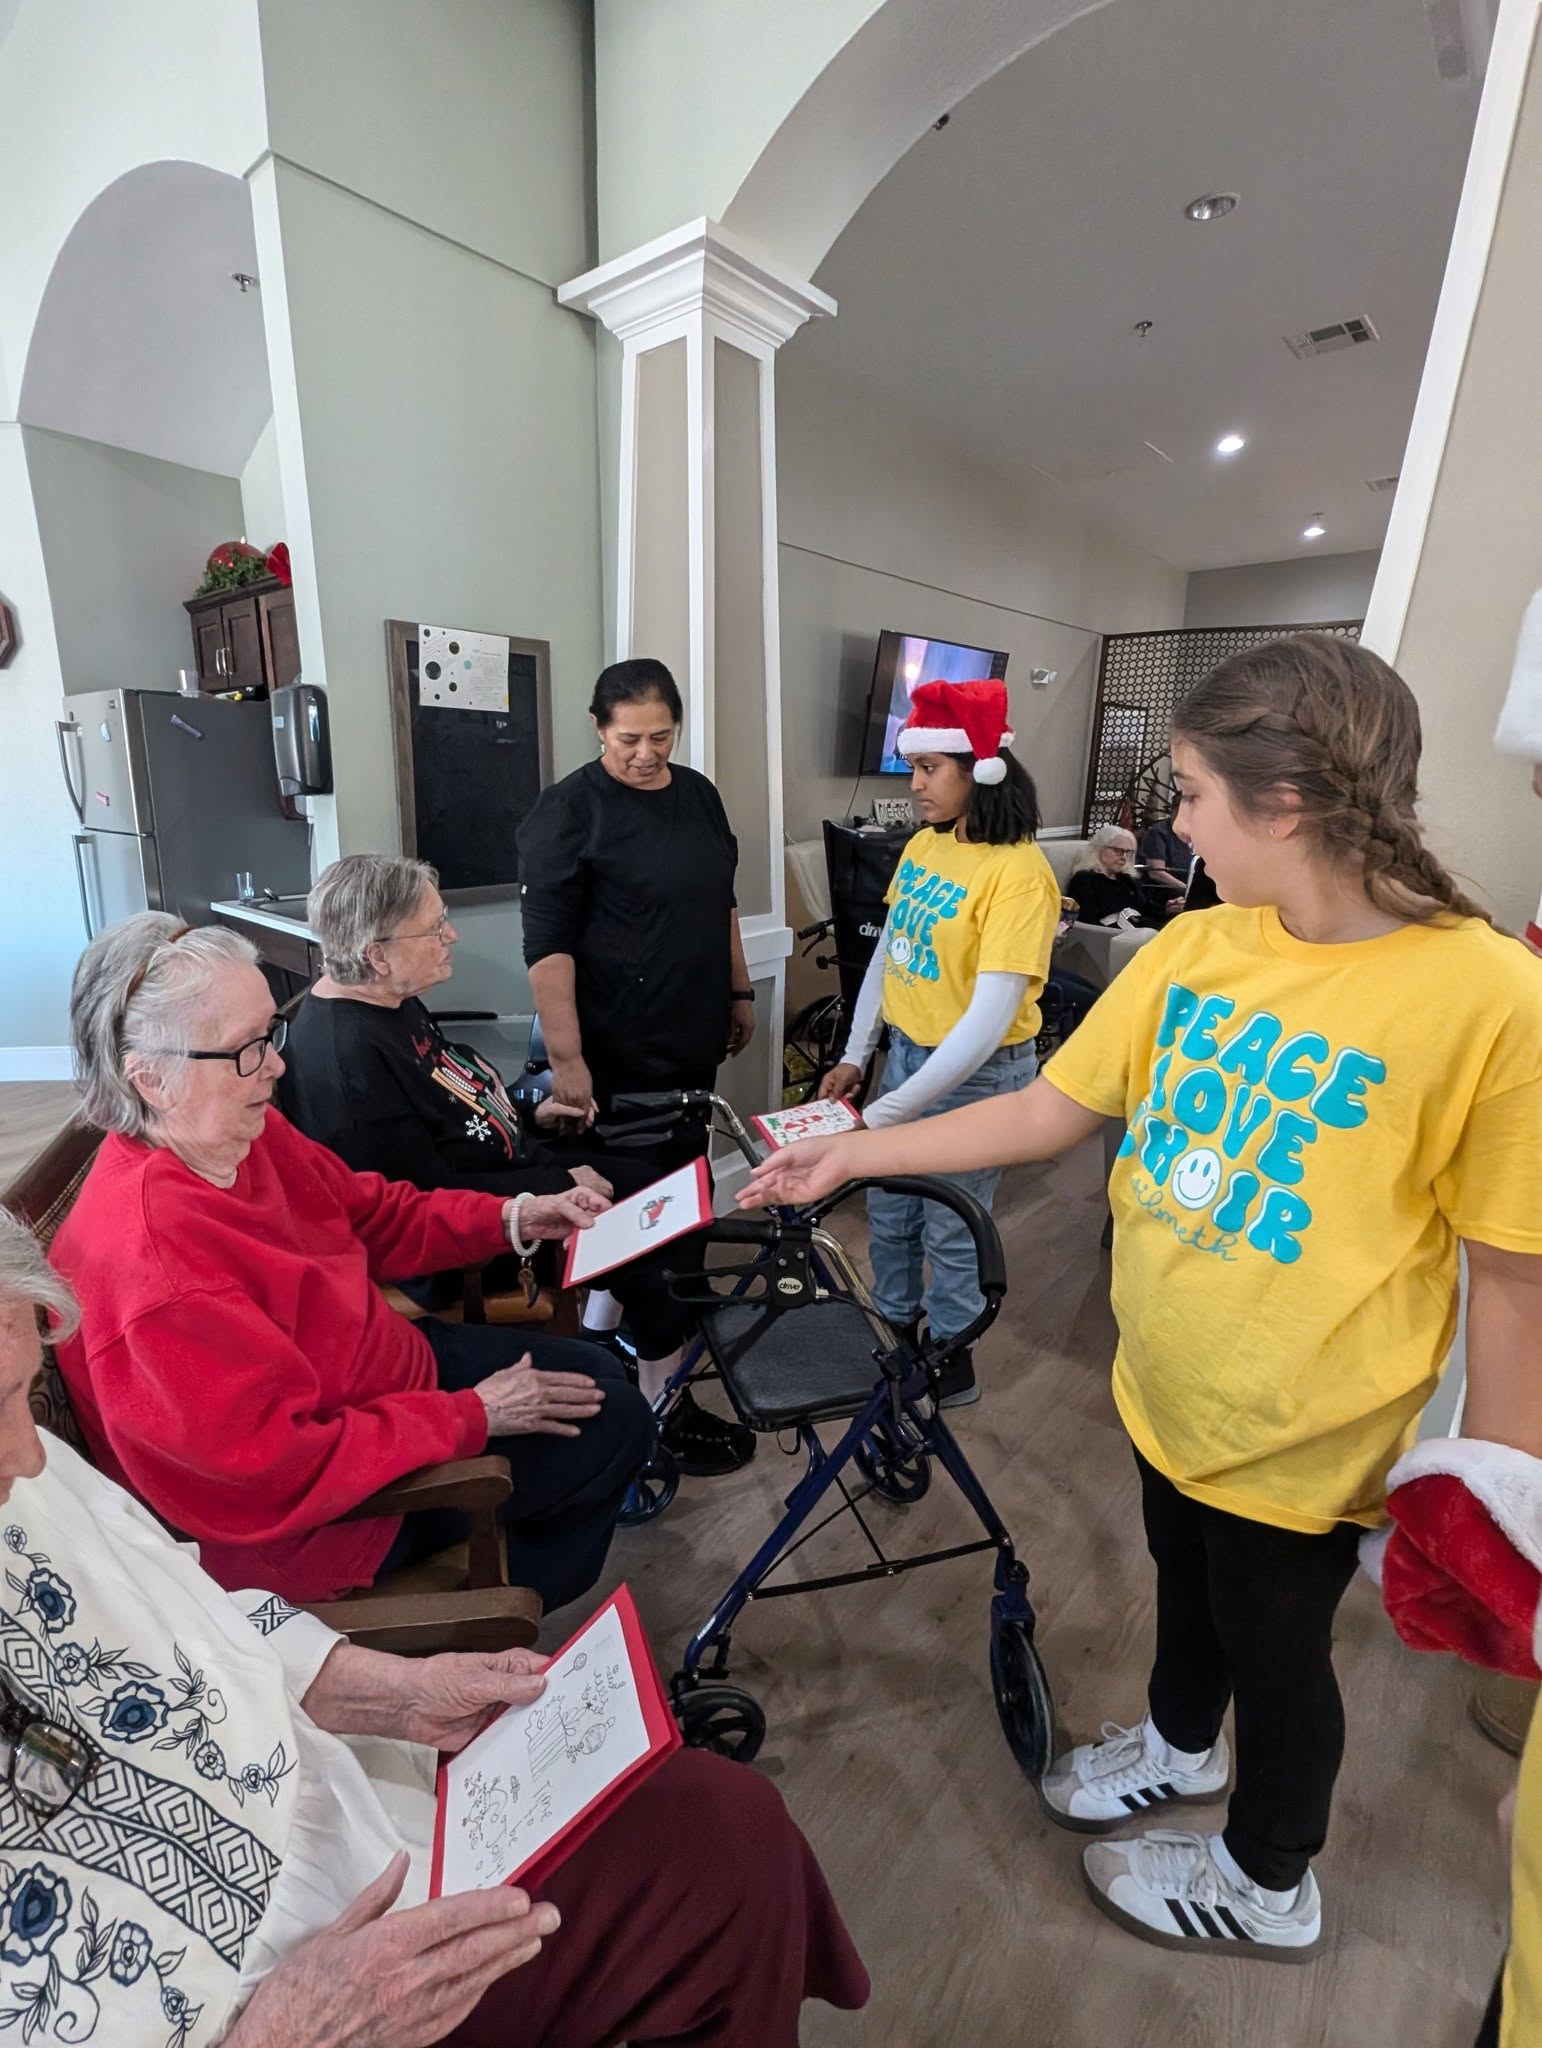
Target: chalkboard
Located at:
point(467, 775)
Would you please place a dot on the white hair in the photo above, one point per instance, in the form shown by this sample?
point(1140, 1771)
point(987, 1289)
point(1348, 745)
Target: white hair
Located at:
point(138, 988)
point(359, 900)
point(27, 1279)
point(1106, 835)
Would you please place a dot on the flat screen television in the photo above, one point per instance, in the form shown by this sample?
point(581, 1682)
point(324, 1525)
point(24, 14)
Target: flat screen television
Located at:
point(905, 659)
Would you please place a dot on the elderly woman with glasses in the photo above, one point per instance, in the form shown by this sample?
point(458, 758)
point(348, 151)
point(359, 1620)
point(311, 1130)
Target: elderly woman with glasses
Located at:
point(370, 1074)
point(237, 1365)
point(219, 1827)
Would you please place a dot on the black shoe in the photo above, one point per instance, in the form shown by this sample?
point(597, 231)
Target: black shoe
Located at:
point(955, 1385)
point(702, 1444)
point(614, 1344)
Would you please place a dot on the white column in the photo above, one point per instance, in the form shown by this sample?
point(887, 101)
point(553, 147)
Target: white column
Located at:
point(700, 318)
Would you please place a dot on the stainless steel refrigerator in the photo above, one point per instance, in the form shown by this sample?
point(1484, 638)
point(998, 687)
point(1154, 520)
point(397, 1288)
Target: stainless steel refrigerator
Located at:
point(176, 796)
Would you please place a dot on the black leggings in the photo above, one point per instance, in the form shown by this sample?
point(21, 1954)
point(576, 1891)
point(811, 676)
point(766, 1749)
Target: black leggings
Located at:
point(558, 1521)
point(1246, 1610)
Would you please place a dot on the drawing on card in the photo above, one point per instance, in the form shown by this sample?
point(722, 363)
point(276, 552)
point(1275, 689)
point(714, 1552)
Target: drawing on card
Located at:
point(527, 1776)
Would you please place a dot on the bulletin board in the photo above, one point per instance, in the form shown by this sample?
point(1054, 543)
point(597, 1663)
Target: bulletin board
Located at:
point(471, 720)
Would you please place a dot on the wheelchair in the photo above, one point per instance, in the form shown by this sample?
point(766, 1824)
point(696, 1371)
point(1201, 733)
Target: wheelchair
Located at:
point(791, 1332)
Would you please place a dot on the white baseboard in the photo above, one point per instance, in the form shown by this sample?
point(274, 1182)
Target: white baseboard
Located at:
point(36, 1063)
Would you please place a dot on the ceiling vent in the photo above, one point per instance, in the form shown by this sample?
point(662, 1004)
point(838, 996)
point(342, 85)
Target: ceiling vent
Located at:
point(1327, 341)
point(1381, 484)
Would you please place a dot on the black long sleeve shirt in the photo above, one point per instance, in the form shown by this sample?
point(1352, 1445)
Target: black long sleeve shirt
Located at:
point(389, 1093)
point(638, 887)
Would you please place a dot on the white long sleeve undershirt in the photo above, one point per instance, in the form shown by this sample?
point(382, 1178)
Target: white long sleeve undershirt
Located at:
point(996, 1000)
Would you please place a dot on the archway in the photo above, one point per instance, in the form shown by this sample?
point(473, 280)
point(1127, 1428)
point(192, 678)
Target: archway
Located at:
point(142, 340)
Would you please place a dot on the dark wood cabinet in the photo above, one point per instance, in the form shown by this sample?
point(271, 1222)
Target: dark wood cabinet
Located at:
point(245, 639)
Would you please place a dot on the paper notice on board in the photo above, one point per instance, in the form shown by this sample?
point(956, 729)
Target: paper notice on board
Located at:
point(463, 671)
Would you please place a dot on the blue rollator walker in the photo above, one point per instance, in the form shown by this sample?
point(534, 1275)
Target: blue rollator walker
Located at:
point(792, 1333)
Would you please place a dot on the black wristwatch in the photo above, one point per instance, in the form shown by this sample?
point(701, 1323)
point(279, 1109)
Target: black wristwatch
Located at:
point(741, 995)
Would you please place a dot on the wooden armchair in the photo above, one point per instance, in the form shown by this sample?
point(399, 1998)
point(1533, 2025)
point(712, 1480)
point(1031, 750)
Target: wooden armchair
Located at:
point(459, 1599)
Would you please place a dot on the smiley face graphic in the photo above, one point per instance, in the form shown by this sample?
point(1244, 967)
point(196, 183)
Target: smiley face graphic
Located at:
point(900, 950)
point(1197, 1178)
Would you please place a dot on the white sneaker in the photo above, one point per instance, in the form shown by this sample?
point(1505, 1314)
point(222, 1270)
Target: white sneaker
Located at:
point(1171, 1889)
point(1101, 1785)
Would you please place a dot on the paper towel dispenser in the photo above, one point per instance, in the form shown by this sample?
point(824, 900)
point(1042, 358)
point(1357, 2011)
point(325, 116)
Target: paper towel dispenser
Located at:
point(302, 741)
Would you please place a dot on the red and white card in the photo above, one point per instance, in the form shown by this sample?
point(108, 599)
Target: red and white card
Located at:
point(522, 1795)
point(808, 1120)
point(640, 1223)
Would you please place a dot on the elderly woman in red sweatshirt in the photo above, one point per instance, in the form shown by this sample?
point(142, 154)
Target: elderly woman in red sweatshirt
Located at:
point(237, 1365)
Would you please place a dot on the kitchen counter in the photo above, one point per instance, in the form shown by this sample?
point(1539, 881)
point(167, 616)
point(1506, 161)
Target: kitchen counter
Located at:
point(273, 916)
point(279, 932)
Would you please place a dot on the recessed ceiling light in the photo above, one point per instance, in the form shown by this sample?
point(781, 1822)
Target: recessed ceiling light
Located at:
point(1211, 206)
point(1313, 532)
point(1229, 444)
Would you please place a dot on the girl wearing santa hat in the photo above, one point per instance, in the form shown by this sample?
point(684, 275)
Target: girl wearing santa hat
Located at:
point(1331, 1084)
point(956, 977)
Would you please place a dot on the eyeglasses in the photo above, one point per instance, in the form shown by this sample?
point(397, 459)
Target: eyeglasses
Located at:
point(436, 930)
point(246, 1059)
point(48, 1764)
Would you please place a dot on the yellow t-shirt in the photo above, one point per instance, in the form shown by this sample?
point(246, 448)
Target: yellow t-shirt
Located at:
point(1521, 2016)
point(1310, 1131)
point(960, 909)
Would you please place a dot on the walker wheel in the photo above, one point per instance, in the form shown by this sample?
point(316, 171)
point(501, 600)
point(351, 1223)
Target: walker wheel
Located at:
point(1023, 1699)
point(721, 1718)
point(651, 1491)
point(901, 1479)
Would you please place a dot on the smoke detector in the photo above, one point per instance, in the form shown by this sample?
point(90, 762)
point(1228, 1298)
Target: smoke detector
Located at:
point(1327, 341)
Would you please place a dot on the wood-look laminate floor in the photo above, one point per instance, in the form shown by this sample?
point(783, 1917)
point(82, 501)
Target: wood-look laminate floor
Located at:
point(30, 1113)
point(966, 1902)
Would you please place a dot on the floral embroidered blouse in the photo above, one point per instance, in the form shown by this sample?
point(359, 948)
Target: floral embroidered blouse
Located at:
point(220, 1827)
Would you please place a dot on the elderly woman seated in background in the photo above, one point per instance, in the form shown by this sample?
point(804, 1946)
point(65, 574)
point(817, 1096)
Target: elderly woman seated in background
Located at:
point(371, 1075)
point(237, 1365)
point(1104, 887)
point(288, 1795)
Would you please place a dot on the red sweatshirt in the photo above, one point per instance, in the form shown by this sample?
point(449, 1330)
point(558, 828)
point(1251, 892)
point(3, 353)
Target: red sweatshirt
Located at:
point(238, 1368)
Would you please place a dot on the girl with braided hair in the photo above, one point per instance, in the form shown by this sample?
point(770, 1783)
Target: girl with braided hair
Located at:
point(1331, 1084)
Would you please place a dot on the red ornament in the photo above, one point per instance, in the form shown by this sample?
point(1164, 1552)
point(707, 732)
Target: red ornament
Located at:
point(278, 563)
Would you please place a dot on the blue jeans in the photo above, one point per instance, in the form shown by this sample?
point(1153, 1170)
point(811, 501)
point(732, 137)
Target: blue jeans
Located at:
point(908, 1234)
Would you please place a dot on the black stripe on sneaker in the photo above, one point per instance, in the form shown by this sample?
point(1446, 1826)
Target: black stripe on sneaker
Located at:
point(1133, 1801)
point(1232, 1923)
point(1210, 1926)
point(1167, 1791)
point(1185, 1925)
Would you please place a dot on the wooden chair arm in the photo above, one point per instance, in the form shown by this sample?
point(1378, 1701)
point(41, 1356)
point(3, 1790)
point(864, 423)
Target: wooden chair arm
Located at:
point(468, 1484)
point(424, 1624)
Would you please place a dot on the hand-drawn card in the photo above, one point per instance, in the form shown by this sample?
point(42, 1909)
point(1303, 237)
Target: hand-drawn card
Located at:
point(640, 1223)
point(523, 1794)
point(808, 1120)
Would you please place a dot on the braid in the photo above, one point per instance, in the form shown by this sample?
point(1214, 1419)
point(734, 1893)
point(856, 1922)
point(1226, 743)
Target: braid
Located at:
point(1403, 877)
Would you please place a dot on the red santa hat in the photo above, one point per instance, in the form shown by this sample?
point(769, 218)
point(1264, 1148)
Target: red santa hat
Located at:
point(960, 718)
point(1461, 1566)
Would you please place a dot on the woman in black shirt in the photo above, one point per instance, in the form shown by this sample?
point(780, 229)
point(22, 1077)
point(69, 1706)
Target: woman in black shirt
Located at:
point(631, 932)
point(370, 1074)
point(1104, 884)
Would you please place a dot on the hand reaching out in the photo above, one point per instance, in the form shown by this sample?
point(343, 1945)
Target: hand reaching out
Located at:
point(800, 1173)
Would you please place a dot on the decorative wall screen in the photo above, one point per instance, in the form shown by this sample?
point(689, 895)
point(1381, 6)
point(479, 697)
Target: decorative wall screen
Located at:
point(1142, 679)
